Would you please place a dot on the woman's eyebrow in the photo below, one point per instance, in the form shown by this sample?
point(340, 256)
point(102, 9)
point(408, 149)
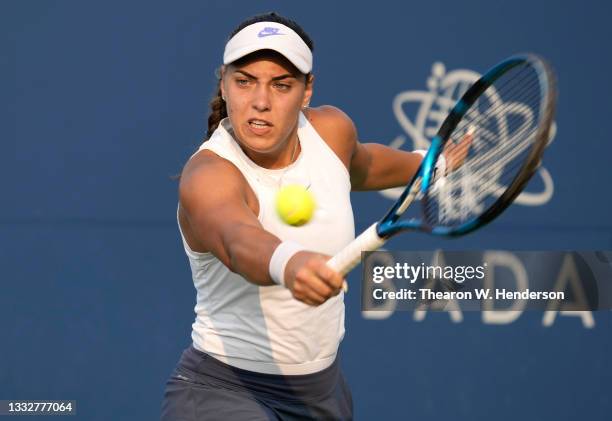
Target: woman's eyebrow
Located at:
point(283, 76)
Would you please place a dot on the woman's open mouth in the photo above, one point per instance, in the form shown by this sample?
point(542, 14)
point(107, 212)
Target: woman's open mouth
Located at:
point(259, 127)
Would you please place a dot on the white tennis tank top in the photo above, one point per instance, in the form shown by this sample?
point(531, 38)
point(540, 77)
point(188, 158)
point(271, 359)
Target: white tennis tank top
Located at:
point(264, 329)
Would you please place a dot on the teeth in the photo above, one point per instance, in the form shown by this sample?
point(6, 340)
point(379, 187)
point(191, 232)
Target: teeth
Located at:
point(258, 124)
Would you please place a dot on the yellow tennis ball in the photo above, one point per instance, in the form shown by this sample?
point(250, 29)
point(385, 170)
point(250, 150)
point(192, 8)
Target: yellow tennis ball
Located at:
point(295, 205)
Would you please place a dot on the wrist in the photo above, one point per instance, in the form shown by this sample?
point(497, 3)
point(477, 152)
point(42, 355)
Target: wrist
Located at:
point(440, 169)
point(281, 256)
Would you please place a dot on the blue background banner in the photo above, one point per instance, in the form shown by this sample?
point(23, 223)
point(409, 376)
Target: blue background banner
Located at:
point(104, 101)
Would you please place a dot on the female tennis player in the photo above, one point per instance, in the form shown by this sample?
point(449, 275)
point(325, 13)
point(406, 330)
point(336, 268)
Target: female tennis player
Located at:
point(269, 312)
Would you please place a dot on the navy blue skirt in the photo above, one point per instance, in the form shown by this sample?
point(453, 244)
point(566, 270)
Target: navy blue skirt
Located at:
point(204, 388)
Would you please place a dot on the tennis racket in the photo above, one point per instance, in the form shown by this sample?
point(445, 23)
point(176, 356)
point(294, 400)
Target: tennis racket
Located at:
point(492, 142)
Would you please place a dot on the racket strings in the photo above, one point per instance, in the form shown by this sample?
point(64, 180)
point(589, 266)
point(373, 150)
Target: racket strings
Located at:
point(499, 92)
point(447, 103)
point(505, 131)
point(479, 159)
point(519, 132)
point(458, 201)
point(499, 89)
point(503, 107)
point(501, 164)
point(507, 118)
point(518, 138)
point(482, 132)
point(526, 117)
point(464, 180)
point(490, 138)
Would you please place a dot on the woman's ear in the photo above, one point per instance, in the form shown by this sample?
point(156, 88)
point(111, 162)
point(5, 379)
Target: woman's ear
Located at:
point(308, 91)
point(221, 86)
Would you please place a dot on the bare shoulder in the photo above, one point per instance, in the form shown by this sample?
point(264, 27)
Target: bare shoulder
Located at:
point(331, 119)
point(205, 169)
point(208, 179)
point(336, 128)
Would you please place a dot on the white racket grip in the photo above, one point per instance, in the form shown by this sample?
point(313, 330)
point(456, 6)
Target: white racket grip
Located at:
point(349, 256)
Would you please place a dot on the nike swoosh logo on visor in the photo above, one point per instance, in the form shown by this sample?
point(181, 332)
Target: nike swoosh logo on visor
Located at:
point(268, 31)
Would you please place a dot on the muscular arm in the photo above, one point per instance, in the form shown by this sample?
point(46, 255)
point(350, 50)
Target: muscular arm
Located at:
point(213, 196)
point(376, 167)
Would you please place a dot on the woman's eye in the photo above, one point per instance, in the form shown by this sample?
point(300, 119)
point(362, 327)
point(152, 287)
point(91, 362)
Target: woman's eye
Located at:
point(242, 82)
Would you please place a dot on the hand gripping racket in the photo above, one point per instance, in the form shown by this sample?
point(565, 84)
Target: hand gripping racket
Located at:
point(492, 140)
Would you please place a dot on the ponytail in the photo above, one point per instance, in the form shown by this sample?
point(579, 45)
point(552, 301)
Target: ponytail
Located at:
point(218, 112)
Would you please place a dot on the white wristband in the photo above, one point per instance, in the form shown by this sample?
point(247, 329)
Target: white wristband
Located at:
point(279, 259)
point(440, 164)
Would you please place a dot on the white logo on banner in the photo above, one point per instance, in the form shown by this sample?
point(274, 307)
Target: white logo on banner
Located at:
point(433, 105)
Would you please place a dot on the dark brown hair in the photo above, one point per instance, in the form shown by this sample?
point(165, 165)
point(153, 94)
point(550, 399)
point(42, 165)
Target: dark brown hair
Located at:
point(218, 110)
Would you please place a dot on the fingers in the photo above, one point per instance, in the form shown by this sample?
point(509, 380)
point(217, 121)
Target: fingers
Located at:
point(314, 282)
point(303, 292)
point(455, 153)
point(332, 278)
point(466, 142)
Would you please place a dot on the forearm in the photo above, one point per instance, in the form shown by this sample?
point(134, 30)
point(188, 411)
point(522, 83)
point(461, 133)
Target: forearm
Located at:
point(248, 250)
point(386, 167)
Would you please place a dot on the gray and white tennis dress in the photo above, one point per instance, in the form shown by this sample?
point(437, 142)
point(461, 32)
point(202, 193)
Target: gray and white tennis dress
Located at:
point(274, 355)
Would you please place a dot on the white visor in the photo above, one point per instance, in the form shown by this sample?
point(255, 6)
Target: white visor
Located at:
point(269, 36)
